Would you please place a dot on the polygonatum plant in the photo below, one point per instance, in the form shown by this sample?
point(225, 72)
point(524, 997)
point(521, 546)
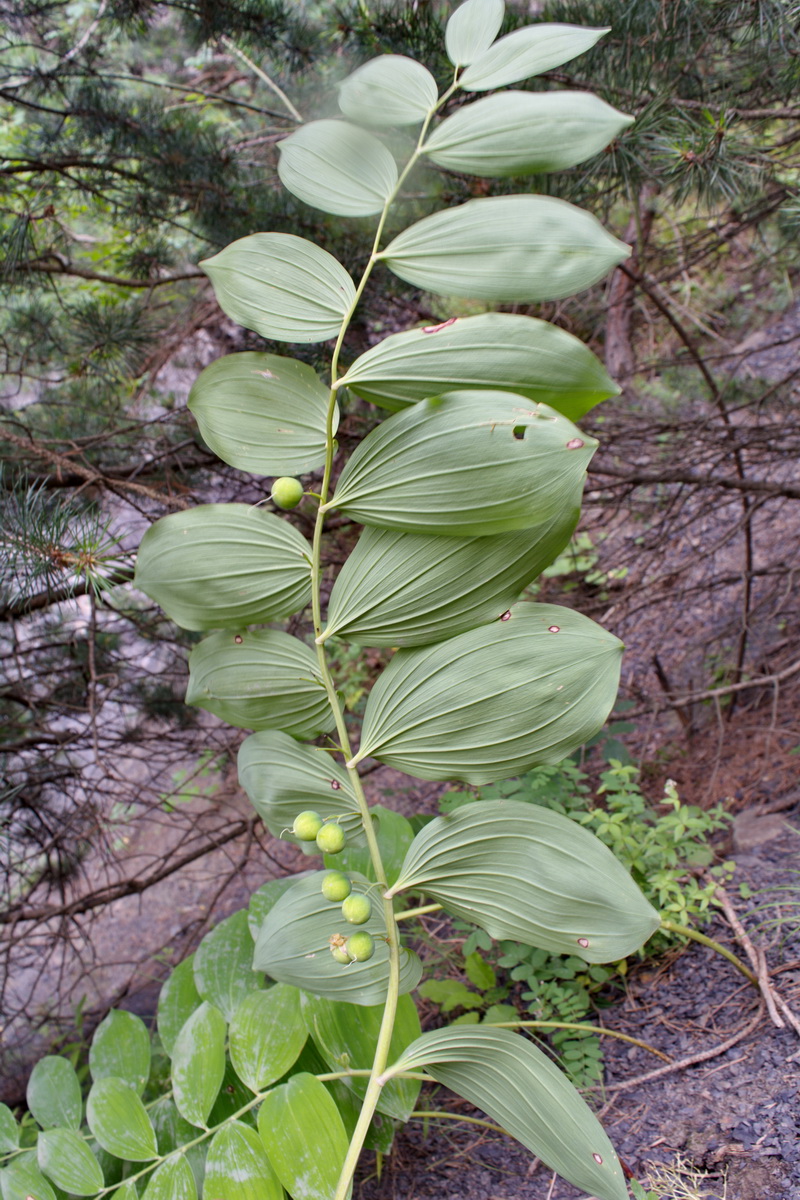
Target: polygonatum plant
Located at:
point(292, 1038)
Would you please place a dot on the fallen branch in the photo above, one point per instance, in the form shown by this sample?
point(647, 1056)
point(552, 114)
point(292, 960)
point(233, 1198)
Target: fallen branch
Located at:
point(759, 963)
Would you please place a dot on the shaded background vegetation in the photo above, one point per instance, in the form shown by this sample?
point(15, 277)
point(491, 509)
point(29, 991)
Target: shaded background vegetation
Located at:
point(140, 138)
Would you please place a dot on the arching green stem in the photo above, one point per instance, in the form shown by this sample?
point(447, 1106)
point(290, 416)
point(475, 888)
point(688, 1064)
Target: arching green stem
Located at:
point(687, 932)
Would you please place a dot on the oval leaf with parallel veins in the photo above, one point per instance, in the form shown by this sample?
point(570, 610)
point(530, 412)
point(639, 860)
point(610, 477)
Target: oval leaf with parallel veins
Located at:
point(494, 350)
point(348, 1037)
point(266, 1035)
point(496, 701)
point(173, 1180)
point(526, 52)
point(260, 680)
point(468, 463)
point(390, 90)
point(525, 873)
point(505, 248)
point(304, 1137)
point(293, 946)
point(517, 1085)
point(224, 566)
point(21, 1179)
point(262, 413)
point(9, 1129)
point(408, 589)
point(283, 778)
point(177, 1000)
point(198, 1063)
point(237, 1167)
point(119, 1121)
point(223, 964)
point(65, 1158)
point(121, 1047)
point(337, 167)
point(525, 133)
point(471, 29)
point(54, 1093)
point(282, 286)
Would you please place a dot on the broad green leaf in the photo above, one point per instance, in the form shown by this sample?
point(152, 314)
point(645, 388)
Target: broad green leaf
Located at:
point(198, 1063)
point(260, 680)
point(126, 1192)
point(524, 133)
point(283, 778)
point(450, 994)
point(9, 1130)
point(266, 1035)
point(237, 1167)
point(527, 51)
point(347, 1036)
point(518, 1086)
point(337, 167)
point(494, 350)
point(390, 90)
point(466, 463)
point(65, 1158)
point(293, 946)
point(177, 1001)
point(121, 1047)
point(231, 1099)
point(223, 964)
point(262, 413)
point(479, 971)
point(304, 1137)
point(173, 1180)
point(394, 834)
point(505, 248)
point(172, 1130)
point(266, 897)
point(282, 286)
point(525, 873)
point(409, 589)
point(472, 28)
point(491, 703)
point(119, 1120)
point(224, 566)
point(21, 1179)
point(54, 1094)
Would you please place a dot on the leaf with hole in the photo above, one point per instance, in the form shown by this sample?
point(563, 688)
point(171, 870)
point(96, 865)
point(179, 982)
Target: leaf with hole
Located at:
point(307, 1166)
point(223, 964)
point(517, 1085)
point(177, 1000)
point(337, 167)
point(281, 286)
point(283, 777)
point(526, 52)
point(198, 1063)
point(54, 1094)
point(260, 680)
point(466, 463)
point(491, 703)
point(293, 946)
point(237, 1167)
point(527, 874)
point(390, 90)
point(262, 413)
point(525, 133)
point(266, 1035)
point(121, 1047)
point(119, 1121)
point(471, 29)
point(65, 1159)
point(347, 1036)
point(494, 350)
point(505, 248)
point(408, 589)
point(224, 566)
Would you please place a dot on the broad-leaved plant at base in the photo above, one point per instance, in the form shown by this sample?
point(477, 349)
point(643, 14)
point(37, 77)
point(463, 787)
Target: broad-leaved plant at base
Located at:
point(292, 1039)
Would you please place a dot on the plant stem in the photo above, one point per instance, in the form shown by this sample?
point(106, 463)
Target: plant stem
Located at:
point(585, 1026)
point(688, 932)
point(417, 912)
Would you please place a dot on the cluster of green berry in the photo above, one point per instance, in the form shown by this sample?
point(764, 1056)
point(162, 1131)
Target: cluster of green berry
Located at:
point(336, 886)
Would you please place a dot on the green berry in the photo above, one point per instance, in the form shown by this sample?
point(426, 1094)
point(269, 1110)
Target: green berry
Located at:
point(287, 492)
point(357, 909)
point(341, 955)
point(360, 946)
point(336, 886)
point(330, 839)
point(307, 825)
